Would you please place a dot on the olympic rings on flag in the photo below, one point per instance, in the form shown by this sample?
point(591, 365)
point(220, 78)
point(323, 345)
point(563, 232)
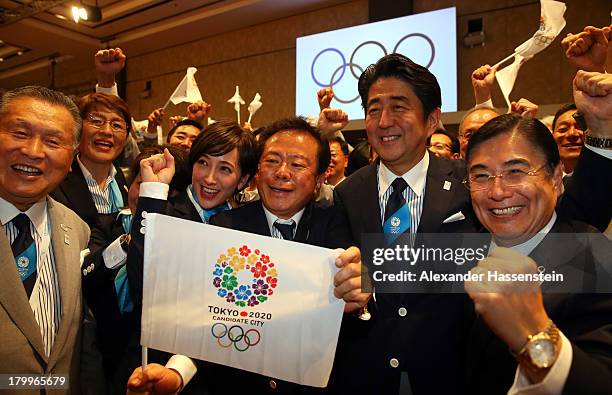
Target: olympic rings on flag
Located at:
point(236, 336)
point(340, 71)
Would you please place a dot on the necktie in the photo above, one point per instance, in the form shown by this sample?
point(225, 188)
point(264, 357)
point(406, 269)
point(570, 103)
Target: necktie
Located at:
point(24, 251)
point(122, 287)
point(285, 229)
point(115, 196)
point(397, 215)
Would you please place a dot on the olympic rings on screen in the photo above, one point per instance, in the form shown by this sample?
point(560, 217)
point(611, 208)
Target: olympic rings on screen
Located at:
point(352, 65)
point(236, 336)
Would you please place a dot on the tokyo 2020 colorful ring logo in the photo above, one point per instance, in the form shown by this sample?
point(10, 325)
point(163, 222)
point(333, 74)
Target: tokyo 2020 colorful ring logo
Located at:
point(236, 335)
point(250, 261)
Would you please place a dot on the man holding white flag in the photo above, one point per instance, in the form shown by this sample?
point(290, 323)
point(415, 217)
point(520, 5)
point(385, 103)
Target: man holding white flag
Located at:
point(291, 168)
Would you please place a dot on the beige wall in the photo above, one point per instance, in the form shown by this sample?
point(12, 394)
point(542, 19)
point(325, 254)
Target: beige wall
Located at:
point(261, 58)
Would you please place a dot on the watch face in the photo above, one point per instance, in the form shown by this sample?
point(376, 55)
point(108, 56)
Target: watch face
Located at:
point(542, 352)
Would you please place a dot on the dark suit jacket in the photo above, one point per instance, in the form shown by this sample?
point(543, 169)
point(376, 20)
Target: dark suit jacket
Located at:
point(320, 227)
point(74, 194)
point(584, 318)
point(432, 336)
point(113, 328)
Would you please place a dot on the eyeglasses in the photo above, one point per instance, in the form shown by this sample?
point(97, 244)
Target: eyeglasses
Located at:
point(99, 122)
point(509, 178)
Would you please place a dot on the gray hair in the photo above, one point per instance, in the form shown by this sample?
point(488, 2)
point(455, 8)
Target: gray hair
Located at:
point(48, 96)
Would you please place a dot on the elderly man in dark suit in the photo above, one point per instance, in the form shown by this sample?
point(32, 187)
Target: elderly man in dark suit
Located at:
point(40, 285)
point(413, 337)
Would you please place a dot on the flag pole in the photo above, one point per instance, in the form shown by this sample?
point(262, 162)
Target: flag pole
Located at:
point(166, 105)
point(505, 59)
point(145, 358)
point(250, 116)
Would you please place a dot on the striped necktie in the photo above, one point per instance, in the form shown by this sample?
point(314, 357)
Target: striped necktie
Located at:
point(286, 230)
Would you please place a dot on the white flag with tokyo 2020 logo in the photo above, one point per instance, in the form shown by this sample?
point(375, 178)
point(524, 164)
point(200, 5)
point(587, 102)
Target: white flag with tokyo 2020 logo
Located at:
point(243, 300)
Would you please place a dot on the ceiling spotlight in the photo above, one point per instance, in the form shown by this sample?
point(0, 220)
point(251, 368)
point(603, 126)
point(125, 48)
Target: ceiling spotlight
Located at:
point(86, 12)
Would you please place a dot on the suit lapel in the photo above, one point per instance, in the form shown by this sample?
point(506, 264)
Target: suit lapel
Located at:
point(14, 299)
point(76, 191)
point(64, 241)
point(184, 208)
point(371, 214)
point(302, 233)
point(257, 220)
point(437, 199)
point(123, 186)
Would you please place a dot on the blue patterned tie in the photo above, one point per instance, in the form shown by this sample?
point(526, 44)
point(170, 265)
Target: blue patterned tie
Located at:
point(24, 251)
point(397, 214)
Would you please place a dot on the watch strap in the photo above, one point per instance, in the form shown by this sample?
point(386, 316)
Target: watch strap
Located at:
point(598, 142)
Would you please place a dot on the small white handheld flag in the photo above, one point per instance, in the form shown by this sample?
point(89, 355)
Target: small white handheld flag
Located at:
point(237, 100)
point(551, 24)
point(254, 106)
point(507, 76)
point(187, 90)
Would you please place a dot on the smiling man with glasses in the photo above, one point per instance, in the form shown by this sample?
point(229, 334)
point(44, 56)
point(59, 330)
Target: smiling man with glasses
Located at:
point(555, 331)
point(95, 189)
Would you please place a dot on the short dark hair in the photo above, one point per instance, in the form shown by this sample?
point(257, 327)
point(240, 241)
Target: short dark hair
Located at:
point(222, 137)
point(532, 130)
point(422, 81)
point(48, 96)
point(454, 140)
point(299, 124)
point(343, 144)
point(564, 108)
point(186, 121)
point(182, 171)
point(115, 103)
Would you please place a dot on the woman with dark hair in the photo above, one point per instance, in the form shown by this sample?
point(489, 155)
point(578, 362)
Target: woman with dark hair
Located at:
point(96, 188)
point(222, 160)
